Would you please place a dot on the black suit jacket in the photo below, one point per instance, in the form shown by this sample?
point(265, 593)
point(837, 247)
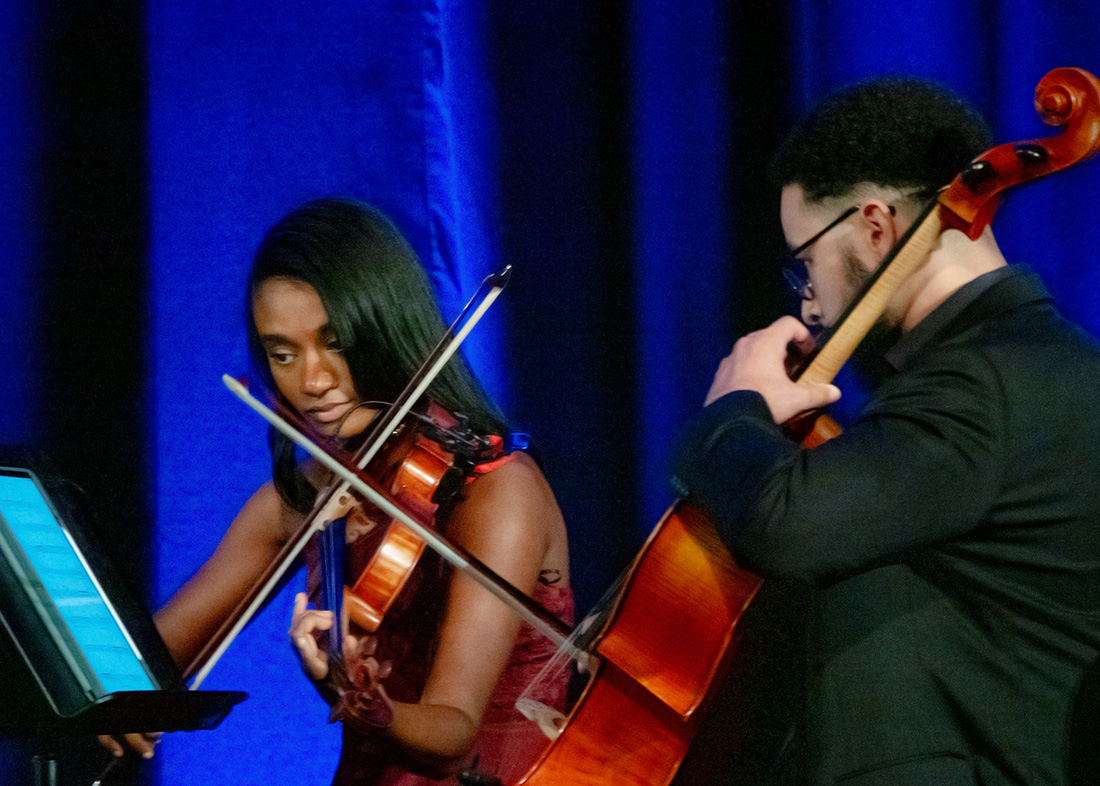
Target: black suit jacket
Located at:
point(953, 534)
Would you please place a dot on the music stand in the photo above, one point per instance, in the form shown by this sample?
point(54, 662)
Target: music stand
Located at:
point(81, 655)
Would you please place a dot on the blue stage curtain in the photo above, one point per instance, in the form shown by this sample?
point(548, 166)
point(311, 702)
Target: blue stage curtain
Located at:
point(682, 221)
point(21, 304)
point(613, 152)
point(254, 108)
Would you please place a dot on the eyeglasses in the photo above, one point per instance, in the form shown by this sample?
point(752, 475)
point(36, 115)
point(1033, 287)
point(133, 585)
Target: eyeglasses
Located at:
point(797, 279)
point(799, 283)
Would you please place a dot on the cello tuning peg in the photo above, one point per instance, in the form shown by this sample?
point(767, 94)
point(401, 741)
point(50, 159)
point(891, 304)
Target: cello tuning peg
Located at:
point(977, 173)
point(1031, 154)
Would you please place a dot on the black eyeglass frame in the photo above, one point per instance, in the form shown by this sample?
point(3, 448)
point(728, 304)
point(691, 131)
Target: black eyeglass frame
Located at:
point(796, 251)
point(799, 282)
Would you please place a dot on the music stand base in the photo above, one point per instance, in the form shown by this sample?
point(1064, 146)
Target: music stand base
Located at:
point(45, 769)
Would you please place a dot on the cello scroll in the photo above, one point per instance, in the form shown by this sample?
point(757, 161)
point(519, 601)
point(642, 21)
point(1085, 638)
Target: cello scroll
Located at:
point(1069, 97)
point(1065, 97)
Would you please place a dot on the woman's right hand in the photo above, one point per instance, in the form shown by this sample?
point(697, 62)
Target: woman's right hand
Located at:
point(142, 743)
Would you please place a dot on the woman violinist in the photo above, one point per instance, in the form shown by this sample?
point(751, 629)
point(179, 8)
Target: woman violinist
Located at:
point(340, 315)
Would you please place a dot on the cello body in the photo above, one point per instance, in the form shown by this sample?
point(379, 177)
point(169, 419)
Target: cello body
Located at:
point(669, 638)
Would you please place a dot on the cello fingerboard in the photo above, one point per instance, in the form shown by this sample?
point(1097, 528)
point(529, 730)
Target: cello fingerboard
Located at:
point(855, 326)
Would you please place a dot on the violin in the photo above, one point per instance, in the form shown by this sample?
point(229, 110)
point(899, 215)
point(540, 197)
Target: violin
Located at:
point(422, 466)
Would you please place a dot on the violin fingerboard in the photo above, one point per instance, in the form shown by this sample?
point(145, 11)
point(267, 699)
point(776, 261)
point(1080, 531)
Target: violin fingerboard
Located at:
point(332, 579)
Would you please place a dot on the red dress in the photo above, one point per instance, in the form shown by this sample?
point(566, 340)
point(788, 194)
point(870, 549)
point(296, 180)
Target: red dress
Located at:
point(507, 743)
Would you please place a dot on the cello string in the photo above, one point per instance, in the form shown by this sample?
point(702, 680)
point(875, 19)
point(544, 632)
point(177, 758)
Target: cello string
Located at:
point(548, 719)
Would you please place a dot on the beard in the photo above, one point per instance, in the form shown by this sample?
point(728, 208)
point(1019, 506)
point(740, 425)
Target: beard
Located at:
point(867, 360)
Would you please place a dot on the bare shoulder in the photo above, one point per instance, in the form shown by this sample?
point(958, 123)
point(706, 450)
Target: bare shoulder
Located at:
point(266, 515)
point(512, 509)
point(517, 480)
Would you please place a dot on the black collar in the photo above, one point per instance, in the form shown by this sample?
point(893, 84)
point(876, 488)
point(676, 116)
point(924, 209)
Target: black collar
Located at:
point(976, 301)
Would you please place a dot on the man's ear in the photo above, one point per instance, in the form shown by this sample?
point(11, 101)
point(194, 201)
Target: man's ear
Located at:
point(880, 227)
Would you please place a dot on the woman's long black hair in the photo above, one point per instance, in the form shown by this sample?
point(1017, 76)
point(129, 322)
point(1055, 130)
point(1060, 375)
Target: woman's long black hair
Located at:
point(380, 307)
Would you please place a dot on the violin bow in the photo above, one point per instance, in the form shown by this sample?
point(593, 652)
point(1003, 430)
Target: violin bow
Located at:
point(456, 333)
point(547, 624)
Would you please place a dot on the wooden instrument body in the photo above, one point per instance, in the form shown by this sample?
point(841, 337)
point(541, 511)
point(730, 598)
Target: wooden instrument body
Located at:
point(669, 637)
point(410, 468)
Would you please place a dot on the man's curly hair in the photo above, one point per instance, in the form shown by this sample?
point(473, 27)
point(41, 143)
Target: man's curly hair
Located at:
point(892, 131)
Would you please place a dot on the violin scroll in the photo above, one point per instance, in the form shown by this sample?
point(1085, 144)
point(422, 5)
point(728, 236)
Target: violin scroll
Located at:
point(1065, 97)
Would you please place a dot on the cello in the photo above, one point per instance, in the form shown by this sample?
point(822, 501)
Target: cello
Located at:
point(674, 627)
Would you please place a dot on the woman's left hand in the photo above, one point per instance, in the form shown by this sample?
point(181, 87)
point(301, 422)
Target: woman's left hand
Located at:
point(305, 624)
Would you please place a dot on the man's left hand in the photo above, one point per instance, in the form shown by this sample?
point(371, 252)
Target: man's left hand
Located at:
point(759, 362)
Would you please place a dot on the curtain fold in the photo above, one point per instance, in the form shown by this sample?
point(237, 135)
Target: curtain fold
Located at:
point(21, 305)
point(681, 152)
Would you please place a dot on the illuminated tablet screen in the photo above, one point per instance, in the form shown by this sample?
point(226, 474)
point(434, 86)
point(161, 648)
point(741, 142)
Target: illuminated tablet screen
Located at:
point(60, 577)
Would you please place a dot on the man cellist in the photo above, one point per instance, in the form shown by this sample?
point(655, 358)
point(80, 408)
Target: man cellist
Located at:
point(952, 533)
